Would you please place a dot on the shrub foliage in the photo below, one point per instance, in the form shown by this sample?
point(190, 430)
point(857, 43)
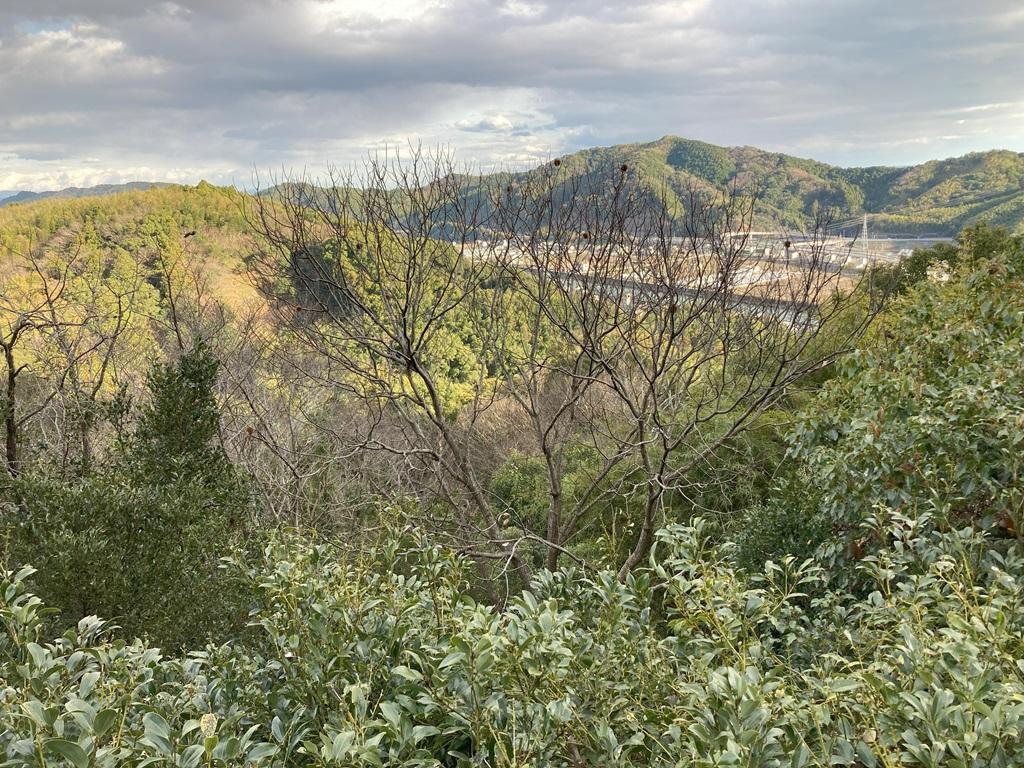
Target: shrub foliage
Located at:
point(383, 660)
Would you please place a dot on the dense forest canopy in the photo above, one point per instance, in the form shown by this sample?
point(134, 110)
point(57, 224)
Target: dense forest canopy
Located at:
point(326, 477)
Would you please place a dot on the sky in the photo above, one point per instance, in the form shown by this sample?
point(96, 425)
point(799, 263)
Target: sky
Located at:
point(102, 91)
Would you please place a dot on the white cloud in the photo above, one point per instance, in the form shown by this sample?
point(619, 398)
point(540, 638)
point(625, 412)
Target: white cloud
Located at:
point(104, 90)
point(520, 9)
point(329, 13)
point(78, 53)
point(488, 123)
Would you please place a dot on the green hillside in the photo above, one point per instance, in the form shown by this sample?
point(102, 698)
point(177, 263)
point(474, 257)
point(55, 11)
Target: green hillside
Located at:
point(292, 484)
point(201, 226)
point(939, 197)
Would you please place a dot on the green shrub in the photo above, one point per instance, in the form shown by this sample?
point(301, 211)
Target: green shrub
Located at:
point(929, 421)
point(84, 700)
point(785, 522)
point(383, 660)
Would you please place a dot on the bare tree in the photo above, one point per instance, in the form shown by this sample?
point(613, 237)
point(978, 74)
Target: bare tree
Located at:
point(371, 274)
point(601, 315)
point(66, 318)
point(92, 326)
point(24, 312)
point(679, 325)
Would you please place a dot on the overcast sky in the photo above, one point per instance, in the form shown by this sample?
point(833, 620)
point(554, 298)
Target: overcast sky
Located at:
point(98, 91)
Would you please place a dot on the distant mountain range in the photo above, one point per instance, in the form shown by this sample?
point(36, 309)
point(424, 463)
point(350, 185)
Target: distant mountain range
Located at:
point(11, 197)
point(938, 197)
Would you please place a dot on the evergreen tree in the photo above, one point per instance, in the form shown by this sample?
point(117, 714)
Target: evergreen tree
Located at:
point(140, 540)
point(176, 439)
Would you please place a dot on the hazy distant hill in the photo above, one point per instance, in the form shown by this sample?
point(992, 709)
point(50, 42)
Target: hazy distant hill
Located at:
point(9, 198)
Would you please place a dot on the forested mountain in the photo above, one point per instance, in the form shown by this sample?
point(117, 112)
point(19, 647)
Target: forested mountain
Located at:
point(202, 227)
point(937, 197)
point(12, 197)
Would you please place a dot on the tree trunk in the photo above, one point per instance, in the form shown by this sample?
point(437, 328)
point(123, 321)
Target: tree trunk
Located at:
point(10, 420)
point(86, 448)
point(554, 534)
point(642, 548)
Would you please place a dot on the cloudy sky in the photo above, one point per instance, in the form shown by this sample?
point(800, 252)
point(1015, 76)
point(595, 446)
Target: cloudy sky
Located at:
point(110, 90)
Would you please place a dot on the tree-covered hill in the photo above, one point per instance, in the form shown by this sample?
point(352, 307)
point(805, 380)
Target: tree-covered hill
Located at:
point(431, 505)
point(199, 229)
point(939, 197)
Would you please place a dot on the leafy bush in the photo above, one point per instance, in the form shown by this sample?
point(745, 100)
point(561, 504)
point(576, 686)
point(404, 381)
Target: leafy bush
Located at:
point(383, 660)
point(786, 521)
point(84, 700)
point(930, 421)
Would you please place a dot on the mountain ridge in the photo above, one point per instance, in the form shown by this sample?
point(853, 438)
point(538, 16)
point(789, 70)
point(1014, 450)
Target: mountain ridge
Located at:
point(14, 197)
point(936, 197)
point(939, 195)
